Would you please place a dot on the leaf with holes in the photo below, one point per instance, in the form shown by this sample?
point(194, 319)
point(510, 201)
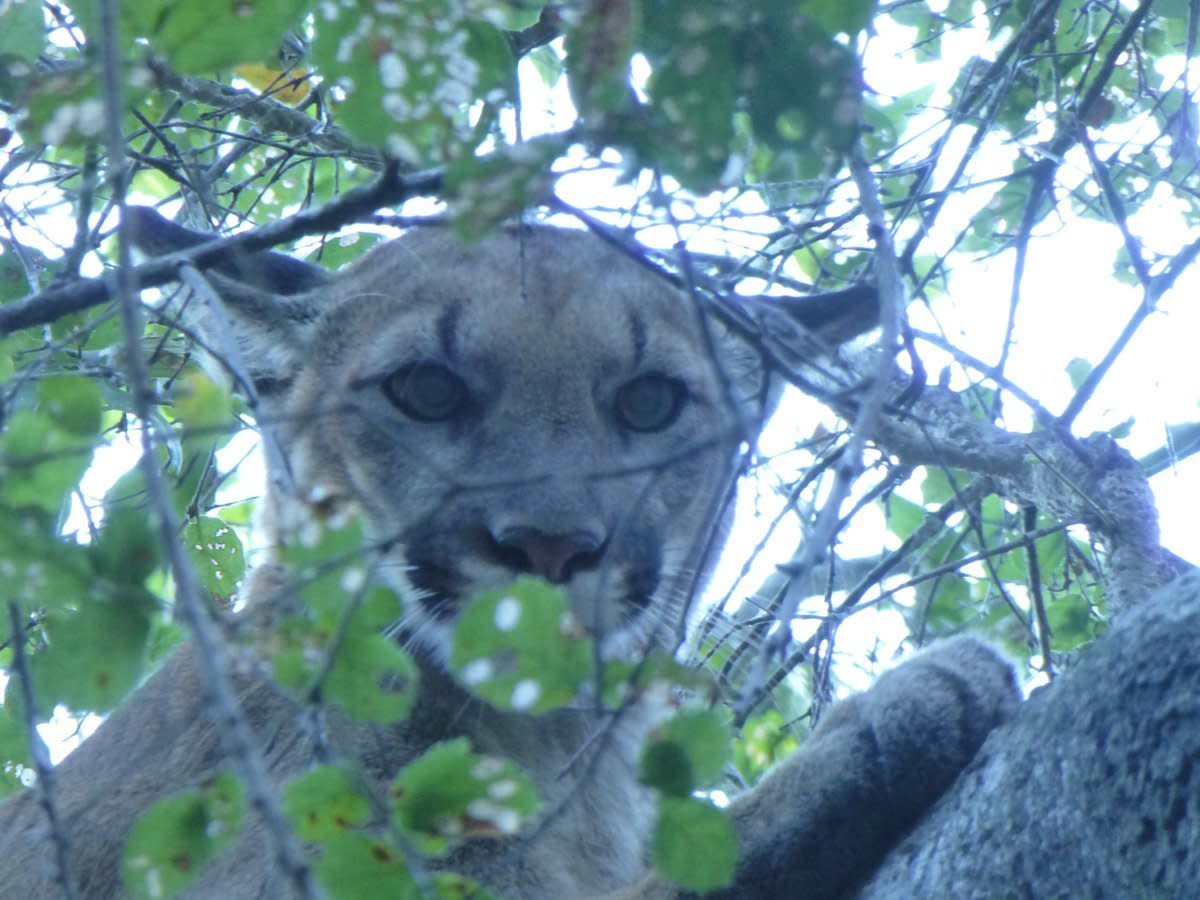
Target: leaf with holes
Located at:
point(405, 73)
point(372, 678)
point(451, 792)
point(519, 648)
point(216, 553)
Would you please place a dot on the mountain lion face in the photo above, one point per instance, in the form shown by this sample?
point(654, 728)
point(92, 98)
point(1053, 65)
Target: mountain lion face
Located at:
point(536, 403)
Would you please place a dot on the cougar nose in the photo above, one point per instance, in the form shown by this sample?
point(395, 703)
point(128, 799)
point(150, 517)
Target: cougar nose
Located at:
point(555, 557)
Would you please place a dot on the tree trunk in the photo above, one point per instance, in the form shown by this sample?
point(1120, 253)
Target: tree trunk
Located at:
point(1092, 790)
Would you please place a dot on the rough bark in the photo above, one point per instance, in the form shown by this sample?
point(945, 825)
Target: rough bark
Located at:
point(1092, 790)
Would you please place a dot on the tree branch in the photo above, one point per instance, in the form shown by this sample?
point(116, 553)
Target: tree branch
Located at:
point(1091, 790)
point(236, 735)
point(268, 114)
point(389, 188)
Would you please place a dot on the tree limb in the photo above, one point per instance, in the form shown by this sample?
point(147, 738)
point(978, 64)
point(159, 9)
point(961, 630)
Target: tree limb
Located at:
point(1093, 790)
point(389, 188)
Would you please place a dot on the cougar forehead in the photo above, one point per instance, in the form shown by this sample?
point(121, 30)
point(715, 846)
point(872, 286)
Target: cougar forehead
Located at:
point(538, 471)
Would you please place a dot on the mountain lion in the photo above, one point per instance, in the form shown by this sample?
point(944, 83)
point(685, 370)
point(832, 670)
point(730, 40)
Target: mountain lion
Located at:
point(536, 404)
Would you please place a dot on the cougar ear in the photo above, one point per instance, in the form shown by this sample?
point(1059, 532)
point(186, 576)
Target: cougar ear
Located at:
point(802, 330)
point(268, 302)
point(277, 273)
point(835, 317)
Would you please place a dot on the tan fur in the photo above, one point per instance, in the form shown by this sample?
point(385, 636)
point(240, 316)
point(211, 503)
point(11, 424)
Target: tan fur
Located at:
point(544, 327)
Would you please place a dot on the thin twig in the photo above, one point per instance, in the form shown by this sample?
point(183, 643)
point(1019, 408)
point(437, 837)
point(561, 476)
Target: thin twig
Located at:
point(389, 188)
point(1157, 286)
point(1035, 591)
point(211, 655)
point(42, 765)
point(870, 408)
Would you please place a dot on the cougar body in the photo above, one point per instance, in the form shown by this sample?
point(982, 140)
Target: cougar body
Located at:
point(535, 403)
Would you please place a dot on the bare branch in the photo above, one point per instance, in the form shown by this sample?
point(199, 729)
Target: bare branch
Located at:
point(236, 733)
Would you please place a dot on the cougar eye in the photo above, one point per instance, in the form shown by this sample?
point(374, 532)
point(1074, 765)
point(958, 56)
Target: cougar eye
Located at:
point(650, 402)
point(425, 391)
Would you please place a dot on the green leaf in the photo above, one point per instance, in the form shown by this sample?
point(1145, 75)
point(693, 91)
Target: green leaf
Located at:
point(689, 751)
point(765, 740)
point(694, 844)
point(22, 30)
point(842, 16)
point(369, 676)
point(344, 249)
point(170, 843)
point(197, 41)
point(63, 108)
point(665, 766)
point(519, 648)
point(200, 403)
point(488, 190)
point(216, 553)
point(324, 802)
point(547, 63)
point(357, 867)
point(936, 487)
point(451, 886)
point(372, 678)
point(903, 516)
point(72, 402)
point(327, 560)
point(38, 568)
point(39, 462)
point(127, 549)
point(1078, 369)
point(82, 672)
point(451, 792)
point(13, 281)
point(1072, 621)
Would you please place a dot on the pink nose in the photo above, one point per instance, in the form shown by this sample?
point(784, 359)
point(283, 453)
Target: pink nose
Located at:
point(555, 557)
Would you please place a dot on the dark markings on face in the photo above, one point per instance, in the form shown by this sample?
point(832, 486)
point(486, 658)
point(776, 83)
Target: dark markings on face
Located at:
point(447, 329)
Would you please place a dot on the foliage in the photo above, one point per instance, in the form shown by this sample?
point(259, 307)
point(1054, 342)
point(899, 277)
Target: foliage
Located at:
point(717, 125)
point(178, 835)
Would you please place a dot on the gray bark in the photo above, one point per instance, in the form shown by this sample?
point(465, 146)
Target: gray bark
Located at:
point(1092, 790)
